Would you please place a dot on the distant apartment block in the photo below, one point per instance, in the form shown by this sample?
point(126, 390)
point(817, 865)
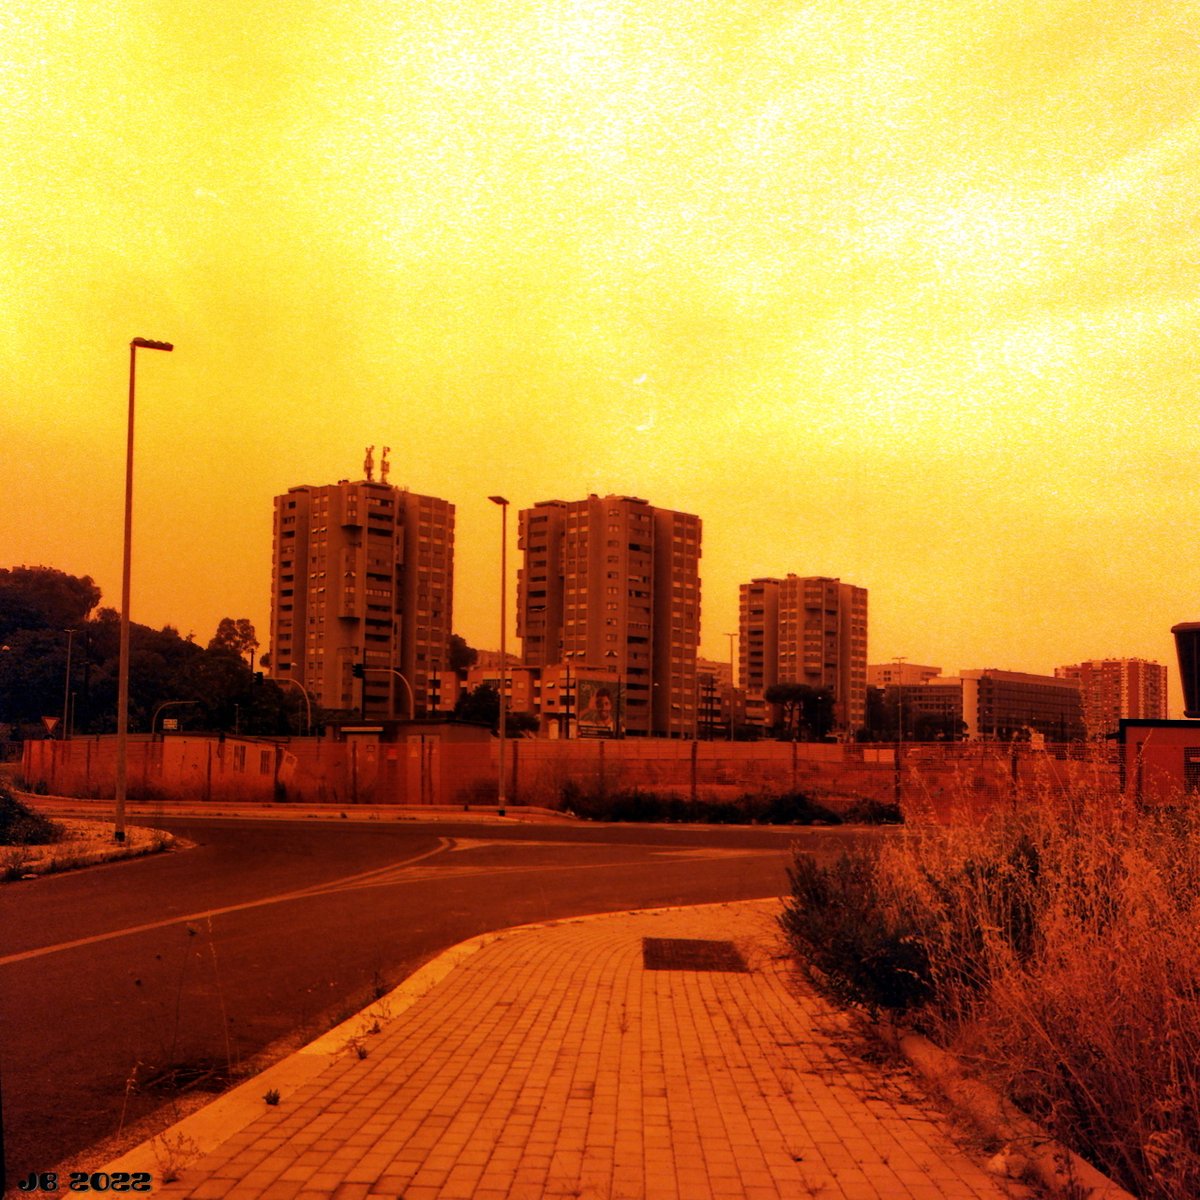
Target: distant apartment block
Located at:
point(1001, 705)
point(900, 673)
point(1116, 689)
point(612, 584)
point(362, 574)
point(804, 629)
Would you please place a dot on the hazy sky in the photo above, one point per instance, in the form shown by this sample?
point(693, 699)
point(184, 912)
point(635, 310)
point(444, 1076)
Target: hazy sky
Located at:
point(905, 293)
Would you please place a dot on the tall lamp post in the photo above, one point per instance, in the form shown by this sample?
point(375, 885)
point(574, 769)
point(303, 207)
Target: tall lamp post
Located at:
point(500, 500)
point(566, 698)
point(123, 666)
point(66, 717)
point(899, 660)
point(732, 682)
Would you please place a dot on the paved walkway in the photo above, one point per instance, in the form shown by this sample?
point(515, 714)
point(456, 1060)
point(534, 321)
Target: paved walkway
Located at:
point(551, 1063)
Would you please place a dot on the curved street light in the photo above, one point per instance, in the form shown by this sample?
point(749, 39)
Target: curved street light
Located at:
point(166, 704)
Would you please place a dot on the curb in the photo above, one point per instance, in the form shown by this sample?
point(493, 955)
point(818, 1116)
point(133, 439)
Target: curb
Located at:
point(1026, 1144)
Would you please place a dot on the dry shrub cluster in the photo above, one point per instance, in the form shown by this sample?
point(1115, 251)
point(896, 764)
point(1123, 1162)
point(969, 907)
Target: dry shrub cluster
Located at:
point(1056, 947)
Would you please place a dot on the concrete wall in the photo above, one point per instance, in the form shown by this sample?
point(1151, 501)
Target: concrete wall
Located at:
point(943, 782)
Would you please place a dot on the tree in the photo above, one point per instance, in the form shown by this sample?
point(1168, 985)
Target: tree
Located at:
point(235, 637)
point(482, 706)
point(807, 712)
point(461, 655)
point(44, 598)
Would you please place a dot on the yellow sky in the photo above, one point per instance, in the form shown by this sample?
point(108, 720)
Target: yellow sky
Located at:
point(900, 292)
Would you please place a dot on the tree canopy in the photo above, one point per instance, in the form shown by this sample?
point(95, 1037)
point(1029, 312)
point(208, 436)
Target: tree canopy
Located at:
point(482, 705)
point(44, 598)
point(39, 605)
point(235, 637)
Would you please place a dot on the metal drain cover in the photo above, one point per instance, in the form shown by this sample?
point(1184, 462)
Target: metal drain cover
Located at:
point(691, 954)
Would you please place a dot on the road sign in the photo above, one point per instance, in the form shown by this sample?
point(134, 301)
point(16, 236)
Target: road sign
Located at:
point(51, 723)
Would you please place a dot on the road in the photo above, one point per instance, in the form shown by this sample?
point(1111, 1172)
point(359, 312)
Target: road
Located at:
point(121, 983)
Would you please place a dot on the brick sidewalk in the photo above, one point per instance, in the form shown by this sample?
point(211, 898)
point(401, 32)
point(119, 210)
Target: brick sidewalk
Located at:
point(551, 1063)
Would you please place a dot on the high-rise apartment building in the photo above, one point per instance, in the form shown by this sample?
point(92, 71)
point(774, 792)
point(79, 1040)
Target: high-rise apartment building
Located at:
point(805, 629)
point(363, 575)
point(613, 583)
point(1116, 688)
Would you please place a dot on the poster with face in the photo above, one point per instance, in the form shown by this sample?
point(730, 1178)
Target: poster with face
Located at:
point(599, 708)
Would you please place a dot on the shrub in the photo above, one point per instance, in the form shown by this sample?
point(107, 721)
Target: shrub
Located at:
point(873, 812)
point(1055, 945)
point(856, 947)
point(21, 825)
point(633, 804)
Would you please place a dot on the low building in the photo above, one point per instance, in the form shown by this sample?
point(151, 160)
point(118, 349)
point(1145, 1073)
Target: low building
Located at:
point(1003, 705)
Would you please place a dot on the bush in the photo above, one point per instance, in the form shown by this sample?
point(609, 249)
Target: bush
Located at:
point(633, 804)
point(1055, 944)
point(854, 946)
point(20, 825)
point(873, 812)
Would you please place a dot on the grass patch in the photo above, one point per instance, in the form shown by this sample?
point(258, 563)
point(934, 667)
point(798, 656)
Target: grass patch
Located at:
point(1053, 945)
point(21, 825)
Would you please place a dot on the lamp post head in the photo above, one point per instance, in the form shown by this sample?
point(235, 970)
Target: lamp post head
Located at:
point(147, 344)
point(498, 500)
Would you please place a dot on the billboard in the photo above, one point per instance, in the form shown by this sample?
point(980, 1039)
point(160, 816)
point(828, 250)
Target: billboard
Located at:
point(599, 708)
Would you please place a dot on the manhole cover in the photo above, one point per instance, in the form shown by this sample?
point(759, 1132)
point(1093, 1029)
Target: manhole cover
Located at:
point(690, 954)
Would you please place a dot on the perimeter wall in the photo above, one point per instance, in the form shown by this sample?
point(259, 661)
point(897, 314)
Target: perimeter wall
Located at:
point(428, 769)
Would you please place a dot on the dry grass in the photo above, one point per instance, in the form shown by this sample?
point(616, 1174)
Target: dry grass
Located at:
point(84, 843)
point(1058, 945)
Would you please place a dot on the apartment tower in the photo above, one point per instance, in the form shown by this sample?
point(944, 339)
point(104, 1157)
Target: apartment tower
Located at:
point(805, 629)
point(363, 575)
point(612, 584)
point(1116, 688)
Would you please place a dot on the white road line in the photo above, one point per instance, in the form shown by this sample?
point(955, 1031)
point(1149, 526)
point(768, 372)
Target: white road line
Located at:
point(301, 894)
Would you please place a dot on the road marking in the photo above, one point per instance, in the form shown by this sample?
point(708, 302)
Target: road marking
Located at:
point(360, 880)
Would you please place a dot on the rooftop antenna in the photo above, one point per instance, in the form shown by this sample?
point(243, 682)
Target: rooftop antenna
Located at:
point(369, 464)
point(384, 465)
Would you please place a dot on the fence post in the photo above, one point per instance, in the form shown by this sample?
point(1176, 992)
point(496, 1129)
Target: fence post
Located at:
point(695, 750)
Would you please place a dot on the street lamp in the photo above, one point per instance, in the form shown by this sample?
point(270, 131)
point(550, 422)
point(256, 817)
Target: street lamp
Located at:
point(67, 690)
point(123, 666)
point(732, 682)
point(617, 669)
point(899, 660)
point(566, 698)
point(500, 500)
point(166, 704)
point(303, 692)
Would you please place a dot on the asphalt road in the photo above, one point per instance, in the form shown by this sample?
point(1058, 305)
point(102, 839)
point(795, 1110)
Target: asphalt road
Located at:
point(120, 984)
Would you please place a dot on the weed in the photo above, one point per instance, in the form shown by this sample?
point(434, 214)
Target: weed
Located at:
point(173, 1153)
point(271, 1096)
